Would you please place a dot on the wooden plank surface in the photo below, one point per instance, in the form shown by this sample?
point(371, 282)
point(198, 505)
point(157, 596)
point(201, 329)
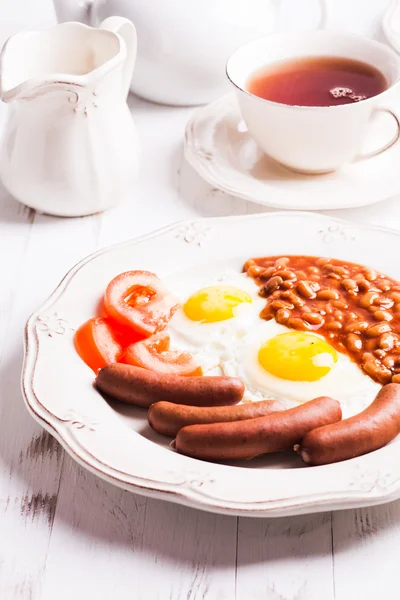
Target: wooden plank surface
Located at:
point(365, 545)
point(137, 547)
point(66, 534)
point(289, 558)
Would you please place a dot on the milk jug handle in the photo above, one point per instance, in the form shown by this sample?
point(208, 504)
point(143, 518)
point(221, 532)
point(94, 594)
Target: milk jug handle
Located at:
point(124, 28)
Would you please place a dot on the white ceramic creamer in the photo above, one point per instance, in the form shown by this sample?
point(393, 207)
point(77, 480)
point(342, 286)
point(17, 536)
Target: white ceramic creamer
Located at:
point(69, 146)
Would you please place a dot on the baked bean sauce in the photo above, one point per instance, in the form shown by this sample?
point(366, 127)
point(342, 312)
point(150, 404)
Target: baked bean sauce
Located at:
point(355, 308)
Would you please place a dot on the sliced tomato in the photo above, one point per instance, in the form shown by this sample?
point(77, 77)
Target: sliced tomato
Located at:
point(97, 343)
point(154, 354)
point(139, 301)
point(124, 336)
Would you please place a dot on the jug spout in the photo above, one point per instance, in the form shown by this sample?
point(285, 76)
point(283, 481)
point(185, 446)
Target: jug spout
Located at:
point(70, 53)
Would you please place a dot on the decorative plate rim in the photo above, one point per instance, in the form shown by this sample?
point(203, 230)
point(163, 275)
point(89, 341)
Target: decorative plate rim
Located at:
point(377, 488)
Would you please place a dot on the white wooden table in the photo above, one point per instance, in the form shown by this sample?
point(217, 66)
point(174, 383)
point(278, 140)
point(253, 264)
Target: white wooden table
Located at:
point(66, 534)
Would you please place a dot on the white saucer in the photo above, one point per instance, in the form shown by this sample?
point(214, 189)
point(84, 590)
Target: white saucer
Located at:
point(220, 149)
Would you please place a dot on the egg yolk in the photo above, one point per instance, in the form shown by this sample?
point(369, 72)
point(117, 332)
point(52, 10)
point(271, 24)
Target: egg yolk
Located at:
point(297, 356)
point(214, 303)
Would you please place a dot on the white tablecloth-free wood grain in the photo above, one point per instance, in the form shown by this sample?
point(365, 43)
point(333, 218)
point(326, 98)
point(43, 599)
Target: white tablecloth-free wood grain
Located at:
point(66, 534)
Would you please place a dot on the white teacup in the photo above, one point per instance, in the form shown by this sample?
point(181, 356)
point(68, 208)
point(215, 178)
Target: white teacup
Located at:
point(306, 138)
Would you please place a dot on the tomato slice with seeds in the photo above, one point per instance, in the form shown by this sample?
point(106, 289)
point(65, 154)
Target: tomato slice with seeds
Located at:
point(139, 301)
point(97, 344)
point(154, 354)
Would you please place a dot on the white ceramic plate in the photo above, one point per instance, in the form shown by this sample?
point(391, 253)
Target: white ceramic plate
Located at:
point(220, 149)
point(116, 443)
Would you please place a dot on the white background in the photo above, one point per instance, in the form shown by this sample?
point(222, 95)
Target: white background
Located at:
point(66, 534)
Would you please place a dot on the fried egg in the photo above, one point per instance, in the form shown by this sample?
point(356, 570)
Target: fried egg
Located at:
point(219, 324)
point(216, 310)
point(300, 366)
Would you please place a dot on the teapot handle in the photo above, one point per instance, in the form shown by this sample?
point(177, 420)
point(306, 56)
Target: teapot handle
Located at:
point(324, 14)
point(126, 29)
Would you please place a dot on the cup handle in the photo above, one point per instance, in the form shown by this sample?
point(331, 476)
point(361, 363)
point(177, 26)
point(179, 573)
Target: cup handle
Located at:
point(323, 15)
point(387, 145)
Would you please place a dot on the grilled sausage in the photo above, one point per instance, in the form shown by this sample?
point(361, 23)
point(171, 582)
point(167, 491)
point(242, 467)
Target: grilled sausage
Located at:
point(247, 439)
point(371, 429)
point(168, 418)
point(142, 387)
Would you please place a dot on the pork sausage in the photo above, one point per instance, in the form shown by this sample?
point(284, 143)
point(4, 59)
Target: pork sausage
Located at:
point(371, 429)
point(168, 418)
point(143, 387)
point(247, 439)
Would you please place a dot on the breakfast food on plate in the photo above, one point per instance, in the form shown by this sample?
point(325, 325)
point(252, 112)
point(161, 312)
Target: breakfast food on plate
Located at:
point(247, 439)
point(142, 387)
point(270, 358)
point(249, 363)
point(138, 300)
point(137, 309)
point(97, 343)
point(168, 418)
point(154, 353)
point(371, 429)
point(355, 308)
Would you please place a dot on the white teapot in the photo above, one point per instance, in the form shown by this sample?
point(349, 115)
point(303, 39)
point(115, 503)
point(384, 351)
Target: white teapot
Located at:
point(183, 45)
point(70, 146)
